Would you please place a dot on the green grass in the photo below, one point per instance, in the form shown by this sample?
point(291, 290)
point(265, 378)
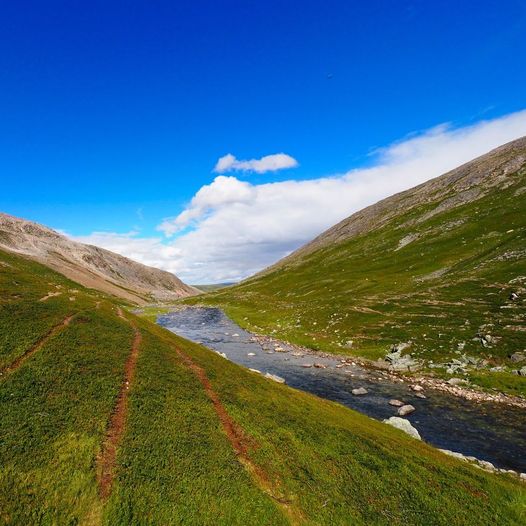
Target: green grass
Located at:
point(445, 287)
point(175, 464)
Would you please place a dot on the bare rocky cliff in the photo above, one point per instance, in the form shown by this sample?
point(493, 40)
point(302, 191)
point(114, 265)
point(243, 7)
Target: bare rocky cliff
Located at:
point(88, 265)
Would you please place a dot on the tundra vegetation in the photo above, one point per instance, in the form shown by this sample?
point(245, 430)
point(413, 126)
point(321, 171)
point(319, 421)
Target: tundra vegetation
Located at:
point(197, 439)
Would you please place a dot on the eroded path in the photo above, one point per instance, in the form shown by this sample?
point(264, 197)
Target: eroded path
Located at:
point(117, 423)
point(13, 366)
point(240, 443)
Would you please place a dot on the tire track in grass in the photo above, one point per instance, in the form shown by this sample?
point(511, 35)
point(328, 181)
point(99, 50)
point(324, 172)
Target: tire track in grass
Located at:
point(239, 442)
point(13, 366)
point(117, 422)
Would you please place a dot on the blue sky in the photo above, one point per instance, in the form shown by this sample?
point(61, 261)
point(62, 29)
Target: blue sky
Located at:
point(114, 114)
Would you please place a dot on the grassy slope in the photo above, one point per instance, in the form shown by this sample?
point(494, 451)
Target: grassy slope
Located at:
point(367, 291)
point(175, 464)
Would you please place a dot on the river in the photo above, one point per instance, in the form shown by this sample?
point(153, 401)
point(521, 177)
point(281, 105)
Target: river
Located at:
point(488, 431)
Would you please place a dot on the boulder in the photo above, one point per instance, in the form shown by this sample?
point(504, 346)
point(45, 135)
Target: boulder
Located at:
point(396, 403)
point(403, 425)
point(359, 391)
point(522, 371)
point(416, 388)
point(406, 410)
point(456, 381)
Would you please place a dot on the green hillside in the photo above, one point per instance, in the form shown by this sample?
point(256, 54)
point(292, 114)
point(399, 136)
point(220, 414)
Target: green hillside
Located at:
point(433, 267)
point(193, 438)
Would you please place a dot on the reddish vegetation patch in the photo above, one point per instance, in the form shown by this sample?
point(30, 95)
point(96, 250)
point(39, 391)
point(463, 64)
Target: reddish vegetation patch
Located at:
point(239, 441)
point(117, 423)
point(37, 346)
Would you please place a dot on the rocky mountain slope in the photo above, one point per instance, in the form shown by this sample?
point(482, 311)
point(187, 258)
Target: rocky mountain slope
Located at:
point(88, 265)
point(436, 273)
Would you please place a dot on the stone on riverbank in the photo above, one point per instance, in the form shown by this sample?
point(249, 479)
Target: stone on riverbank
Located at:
point(396, 403)
point(403, 425)
point(275, 378)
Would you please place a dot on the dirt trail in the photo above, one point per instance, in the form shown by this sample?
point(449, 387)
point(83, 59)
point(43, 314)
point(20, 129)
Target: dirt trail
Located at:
point(36, 347)
point(117, 423)
point(240, 443)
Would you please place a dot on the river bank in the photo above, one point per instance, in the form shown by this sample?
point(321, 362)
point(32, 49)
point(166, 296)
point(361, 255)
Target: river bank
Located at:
point(488, 430)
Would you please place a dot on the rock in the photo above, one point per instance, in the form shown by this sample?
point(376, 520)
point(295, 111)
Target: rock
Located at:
point(306, 365)
point(421, 395)
point(517, 357)
point(416, 388)
point(514, 296)
point(320, 366)
point(235, 335)
point(455, 381)
point(486, 465)
point(251, 354)
point(359, 391)
point(403, 425)
point(522, 476)
point(454, 454)
point(399, 347)
point(275, 378)
point(461, 345)
point(255, 370)
point(522, 371)
point(396, 403)
point(406, 410)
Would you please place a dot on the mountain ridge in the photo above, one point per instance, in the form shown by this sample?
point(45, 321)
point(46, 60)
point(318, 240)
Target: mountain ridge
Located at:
point(89, 265)
point(382, 211)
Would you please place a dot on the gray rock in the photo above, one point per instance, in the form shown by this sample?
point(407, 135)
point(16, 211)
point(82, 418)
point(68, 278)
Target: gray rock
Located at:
point(517, 357)
point(396, 403)
point(359, 391)
point(416, 388)
point(522, 371)
point(403, 425)
point(275, 378)
point(406, 410)
point(421, 395)
point(456, 381)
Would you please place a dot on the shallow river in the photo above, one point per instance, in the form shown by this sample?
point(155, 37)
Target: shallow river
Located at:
point(493, 432)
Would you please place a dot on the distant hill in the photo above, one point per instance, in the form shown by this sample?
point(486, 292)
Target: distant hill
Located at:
point(213, 286)
point(441, 266)
point(88, 265)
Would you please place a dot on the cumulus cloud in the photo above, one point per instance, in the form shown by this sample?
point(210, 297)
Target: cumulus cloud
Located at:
point(234, 228)
point(268, 163)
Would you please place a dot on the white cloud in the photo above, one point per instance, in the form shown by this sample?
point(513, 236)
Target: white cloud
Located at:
point(237, 228)
point(269, 163)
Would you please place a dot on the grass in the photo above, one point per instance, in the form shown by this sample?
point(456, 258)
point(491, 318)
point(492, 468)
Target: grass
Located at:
point(446, 287)
point(322, 463)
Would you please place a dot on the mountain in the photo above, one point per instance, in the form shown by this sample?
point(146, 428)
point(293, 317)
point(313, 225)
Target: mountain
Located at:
point(108, 419)
point(440, 268)
point(88, 265)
